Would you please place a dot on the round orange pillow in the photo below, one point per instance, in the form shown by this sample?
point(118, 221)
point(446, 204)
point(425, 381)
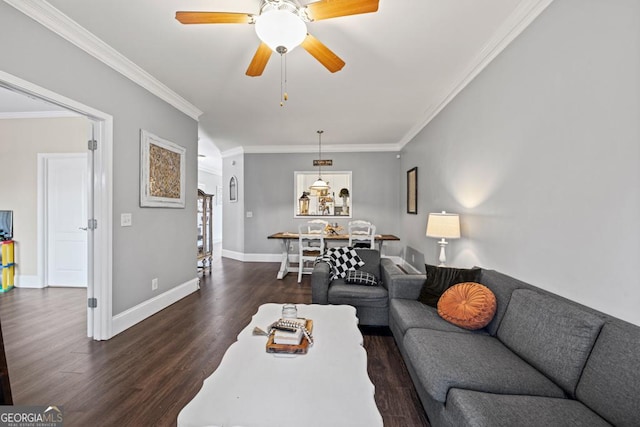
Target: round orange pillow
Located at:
point(468, 305)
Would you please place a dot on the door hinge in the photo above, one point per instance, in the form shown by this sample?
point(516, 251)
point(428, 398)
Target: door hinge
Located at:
point(92, 302)
point(92, 145)
point(92, 224)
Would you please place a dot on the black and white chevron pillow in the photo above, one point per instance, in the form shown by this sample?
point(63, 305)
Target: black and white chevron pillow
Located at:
point(344, 259)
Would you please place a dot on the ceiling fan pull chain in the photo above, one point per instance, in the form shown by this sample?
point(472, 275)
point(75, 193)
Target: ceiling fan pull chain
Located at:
point(286, 95)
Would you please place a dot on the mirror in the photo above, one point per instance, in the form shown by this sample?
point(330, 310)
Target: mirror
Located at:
point(334, 202)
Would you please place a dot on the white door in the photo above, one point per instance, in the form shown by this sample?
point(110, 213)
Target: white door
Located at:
point(66, 220)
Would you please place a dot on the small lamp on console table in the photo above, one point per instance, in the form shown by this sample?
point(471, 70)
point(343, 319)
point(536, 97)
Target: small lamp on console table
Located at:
point(443, 226)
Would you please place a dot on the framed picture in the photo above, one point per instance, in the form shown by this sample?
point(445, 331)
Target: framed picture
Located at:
point(162, 172)
point(412, 191)
point(233, 189)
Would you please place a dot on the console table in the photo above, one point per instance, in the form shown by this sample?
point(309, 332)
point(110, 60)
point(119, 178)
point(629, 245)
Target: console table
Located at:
point(286, 238)
point(328, 386)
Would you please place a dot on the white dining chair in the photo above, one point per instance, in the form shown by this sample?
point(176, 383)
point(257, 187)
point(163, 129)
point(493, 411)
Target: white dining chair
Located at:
point(310, 244)
point(361, 234)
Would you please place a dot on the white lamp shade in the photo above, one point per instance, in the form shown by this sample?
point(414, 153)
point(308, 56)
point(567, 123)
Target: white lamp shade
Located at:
point(280, 28)
point(319, 185)
point(443, 225)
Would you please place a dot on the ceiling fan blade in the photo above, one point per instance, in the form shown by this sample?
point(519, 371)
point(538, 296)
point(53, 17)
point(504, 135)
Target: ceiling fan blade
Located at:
point(213, 18)
point(326, 9)
point(259, 61)
point(322, 53)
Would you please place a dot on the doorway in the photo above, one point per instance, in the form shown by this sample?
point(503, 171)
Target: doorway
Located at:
point(99, 203)
point(65, 202)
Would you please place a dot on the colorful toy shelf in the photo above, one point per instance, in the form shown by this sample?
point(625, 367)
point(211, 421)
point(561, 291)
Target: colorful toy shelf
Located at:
point(7, 265)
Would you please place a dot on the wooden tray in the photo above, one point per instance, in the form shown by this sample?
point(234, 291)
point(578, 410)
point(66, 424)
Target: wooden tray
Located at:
point(301, 348)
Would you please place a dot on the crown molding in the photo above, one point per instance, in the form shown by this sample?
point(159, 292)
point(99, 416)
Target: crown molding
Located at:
point(520, 19)
point(38, 115)
point(335, 148)
point(56, 21)
point(232, 152)
point(212, 171)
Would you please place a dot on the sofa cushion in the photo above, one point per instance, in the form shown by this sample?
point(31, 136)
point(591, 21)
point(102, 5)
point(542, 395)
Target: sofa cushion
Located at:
point(610, 383)
point(551, 334)
point(357, 295)
point(344, 259)
point(439, 279)
point(371, 260)
point(445, 360)
point(502, 286)
point(358, 277)
point(477, 409)
point(468, 305)
point(406, 314)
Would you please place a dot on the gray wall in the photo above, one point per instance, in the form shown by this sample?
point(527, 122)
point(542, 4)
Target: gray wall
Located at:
point(233, 212)
point(162, 242)
point(269, 194)
point(540, 155)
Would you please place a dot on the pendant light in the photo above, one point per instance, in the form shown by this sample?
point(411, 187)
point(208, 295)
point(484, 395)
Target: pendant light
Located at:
point(319, 185)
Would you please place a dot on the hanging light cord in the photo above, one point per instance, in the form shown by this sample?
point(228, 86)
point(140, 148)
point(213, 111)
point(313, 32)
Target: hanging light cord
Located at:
point(320, 153)
point(283, 75)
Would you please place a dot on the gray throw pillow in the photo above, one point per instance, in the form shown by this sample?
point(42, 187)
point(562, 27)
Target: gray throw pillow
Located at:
point(439, 279)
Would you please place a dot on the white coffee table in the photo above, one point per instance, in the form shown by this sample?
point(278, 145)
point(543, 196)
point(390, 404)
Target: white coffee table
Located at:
point(328, 386)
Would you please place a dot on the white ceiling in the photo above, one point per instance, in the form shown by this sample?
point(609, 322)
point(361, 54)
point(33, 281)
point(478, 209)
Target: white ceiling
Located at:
point(403, 64)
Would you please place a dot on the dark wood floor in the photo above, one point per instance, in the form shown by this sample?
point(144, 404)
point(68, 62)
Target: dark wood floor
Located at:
point(147, 374)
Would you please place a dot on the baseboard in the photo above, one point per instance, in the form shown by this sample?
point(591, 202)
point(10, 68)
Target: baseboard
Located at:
point(240, 256)
point(137, 314)
point(22, 281)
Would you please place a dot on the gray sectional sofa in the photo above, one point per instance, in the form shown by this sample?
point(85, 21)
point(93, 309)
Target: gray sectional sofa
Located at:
point(371, 302)
point(542, 361)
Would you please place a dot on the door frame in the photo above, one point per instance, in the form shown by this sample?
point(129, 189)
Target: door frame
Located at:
point(100, 258)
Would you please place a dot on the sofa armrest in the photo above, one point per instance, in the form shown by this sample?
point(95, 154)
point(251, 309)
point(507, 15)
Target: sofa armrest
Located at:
point(320, 279)
point(400, 284)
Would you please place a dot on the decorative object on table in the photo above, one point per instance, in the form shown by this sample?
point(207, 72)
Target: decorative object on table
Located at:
point(319, 184)
point(443, 226)
point(333, 229)
point(362, 234)
point(162, 172)
point(412, 191)
point(286, 330)
point(289, 311)
point(233, 189)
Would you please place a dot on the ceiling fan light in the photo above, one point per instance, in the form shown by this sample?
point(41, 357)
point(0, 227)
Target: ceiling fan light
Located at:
point(280, 28)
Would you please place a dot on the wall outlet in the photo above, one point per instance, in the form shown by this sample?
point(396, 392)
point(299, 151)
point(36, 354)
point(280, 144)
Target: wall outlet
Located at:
point(126, 220)
point(154, 284)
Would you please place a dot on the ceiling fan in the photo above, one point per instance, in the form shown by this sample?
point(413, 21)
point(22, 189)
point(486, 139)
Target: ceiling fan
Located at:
point(281, 26)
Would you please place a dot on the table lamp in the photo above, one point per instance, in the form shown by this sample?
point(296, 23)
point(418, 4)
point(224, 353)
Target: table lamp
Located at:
point(443, 226)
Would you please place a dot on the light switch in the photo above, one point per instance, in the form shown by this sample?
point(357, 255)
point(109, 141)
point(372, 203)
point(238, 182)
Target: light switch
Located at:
point(125, 220)
point(249, 214)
